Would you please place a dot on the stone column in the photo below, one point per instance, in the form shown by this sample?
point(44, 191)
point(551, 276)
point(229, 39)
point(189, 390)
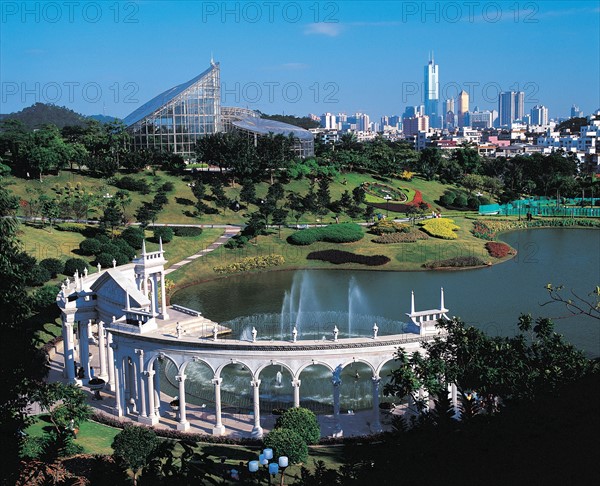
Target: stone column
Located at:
point(218, 429)
point(454, 398)
point(163, 296)
point(376, 424)
point(155, 292)
point(153, 296)
point(150, 378)
point(257, 431)
point(337, 384)
point(118, 389)
point(68, 350)
point(296, 387)
point(183, 423)
point(157, 395)
point(84, 349)
point(141, 384)
point(111, 363)
point(102, 351)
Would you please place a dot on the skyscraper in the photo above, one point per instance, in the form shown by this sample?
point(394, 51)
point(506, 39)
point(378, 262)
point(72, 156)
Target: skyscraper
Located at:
point(431, 93)
point(511, 107)
point(539, 115)
point(463, 107)
point(576, 112)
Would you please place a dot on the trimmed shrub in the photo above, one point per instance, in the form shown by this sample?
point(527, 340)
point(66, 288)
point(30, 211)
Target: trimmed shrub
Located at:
point(106, 259)
point(250, 263)
point(461, 200)
point(102, 238)
point(53, 265)
point(133, 236)
point(337, 257)
point(287, 442)
point(72, 227)
point(385, 226)
point(45, 296)
point(303, 421)
point(163, 232)
point(37, 276)
point(335, 233)
point(131, 184)
point(186, 231)
point(448, 198)
point(73, 264)
point(498, 250)
point(411, 237)
point(90, 246)
point(440, 228)
point(464, 261)
point(124, 248)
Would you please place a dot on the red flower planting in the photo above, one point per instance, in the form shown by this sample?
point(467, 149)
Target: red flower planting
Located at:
point(497, 250)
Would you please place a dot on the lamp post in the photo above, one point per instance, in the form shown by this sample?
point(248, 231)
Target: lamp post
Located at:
point(387, 198)
point(272, 468)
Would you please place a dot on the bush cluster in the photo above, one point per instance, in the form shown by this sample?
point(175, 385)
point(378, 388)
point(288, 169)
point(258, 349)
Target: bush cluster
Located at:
point(75, 264)
point(462, 261)
point(106, 250)
point(251, 263)
point(186, 231)
point(385, 226)
point(133, 236)
point(287, 442)
point(440, 228)
point(132, 184)
point(338, 257)
point(53, 265)
point(412, 236)
point(72, 227)
point(162, 232)
point(461, 200)
point(498, 250)
point(334, 233)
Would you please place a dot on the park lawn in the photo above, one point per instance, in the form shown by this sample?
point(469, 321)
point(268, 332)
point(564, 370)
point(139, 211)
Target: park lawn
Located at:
point(182, 247)
point(95, 438)
point(403, 256)
point(46, 242)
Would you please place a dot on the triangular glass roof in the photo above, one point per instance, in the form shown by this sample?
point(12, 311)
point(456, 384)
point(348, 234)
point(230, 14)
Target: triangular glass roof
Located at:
point(162, 99)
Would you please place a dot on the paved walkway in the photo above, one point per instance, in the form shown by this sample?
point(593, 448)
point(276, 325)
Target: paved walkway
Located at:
point(230, 232)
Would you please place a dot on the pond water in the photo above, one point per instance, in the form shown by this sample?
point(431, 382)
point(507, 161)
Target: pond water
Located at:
point(489, 298)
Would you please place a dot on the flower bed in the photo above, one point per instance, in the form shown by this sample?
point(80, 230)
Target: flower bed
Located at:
point(250, 263)
point(388, 226)
point(338, 257)
point(417, 201)
point(488, 229)
point(498, 250)
point(412, 236)
point(440, 228)
point(458, 262)
point(334, 233)
point(381, 191)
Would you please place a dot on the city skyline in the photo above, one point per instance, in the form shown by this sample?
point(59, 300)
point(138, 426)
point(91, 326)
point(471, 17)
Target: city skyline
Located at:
point(306, 58)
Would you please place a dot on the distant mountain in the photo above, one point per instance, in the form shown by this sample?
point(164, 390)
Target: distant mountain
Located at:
point(39, 114)
point(103, 118)
point(302, 122)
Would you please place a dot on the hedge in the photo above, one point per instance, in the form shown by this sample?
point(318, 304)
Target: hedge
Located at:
point(338, 257)
point(464, 261)
point(250, 263)
point(440, 228)
point(133, 236)
point(335, 233)
point(53, 265)
point(162, 232)
point(186, 231)
point(410, 237)
point(73, 264)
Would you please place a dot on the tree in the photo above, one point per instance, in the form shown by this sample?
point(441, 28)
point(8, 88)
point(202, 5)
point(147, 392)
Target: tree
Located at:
point(145, 214)
point(287, 442)
point(67, 407)
point(73, 265)
point(133, 447)
point(323, 196)
point(430, 160)
point(218, 192)
point(248, 191)
point(472, 182)
point(53, 265)
point(113, 216)
point(49, 208)
point(576, 304)
point(302, 421)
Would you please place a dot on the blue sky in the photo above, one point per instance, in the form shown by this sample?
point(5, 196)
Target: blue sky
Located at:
point(299, 57)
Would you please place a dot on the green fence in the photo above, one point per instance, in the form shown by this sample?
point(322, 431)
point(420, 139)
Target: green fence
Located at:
point(543, 207)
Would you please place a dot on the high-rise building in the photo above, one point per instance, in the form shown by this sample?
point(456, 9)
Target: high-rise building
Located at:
point(413, 125)
point(481, 119)
point(431, 93)
point(329, 121)
point(463, 108)
point(511, 107)
point(576, 112)
point(539, 115)
point(449, 105)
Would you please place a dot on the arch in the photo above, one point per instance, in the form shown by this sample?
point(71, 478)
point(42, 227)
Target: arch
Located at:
point(382, 365)
point(195, 360)
point(273, 363)
point(236, 391)
point(316, 388)
point(221, 367)
point(359, 360)
point(313, 362)
point(276, 386)
point(160, 355)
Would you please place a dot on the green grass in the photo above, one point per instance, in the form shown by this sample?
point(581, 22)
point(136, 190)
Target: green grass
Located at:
point(95, 438)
